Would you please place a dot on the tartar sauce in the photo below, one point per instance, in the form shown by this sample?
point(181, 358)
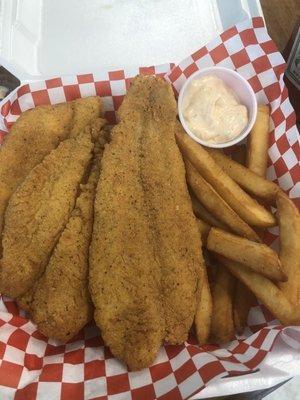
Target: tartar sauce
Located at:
point(212, 110)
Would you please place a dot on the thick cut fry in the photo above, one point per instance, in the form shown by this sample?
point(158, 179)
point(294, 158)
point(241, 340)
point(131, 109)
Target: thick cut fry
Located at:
point(216, 205)
point(266, 291)
point(247, 208)
point(257, 256)
point(240, 153)
point(289, 224)
point(222, 327)
point(258, 142)
point(256, 185)
point(244, 299)
point(201, 212)
point(204, 312)
point(204, 229)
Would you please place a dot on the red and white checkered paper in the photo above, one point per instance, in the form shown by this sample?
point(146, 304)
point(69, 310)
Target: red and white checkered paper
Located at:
point(34, 367)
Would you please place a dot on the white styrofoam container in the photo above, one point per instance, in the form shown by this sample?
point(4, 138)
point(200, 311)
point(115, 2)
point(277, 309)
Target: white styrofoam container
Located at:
point(45, 38)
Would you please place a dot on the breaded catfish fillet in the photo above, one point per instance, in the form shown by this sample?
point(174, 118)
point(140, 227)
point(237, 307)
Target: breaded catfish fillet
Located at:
point(39, 210)
point(145, 258)
point(34, 135)
point(60, 302)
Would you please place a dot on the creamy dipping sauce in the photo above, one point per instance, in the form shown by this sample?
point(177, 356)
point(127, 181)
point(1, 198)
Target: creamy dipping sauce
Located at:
point(212, 111)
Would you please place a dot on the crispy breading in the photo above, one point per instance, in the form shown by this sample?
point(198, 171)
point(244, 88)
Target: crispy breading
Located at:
point(39, 210)
point(34, 135)
point(145, 259)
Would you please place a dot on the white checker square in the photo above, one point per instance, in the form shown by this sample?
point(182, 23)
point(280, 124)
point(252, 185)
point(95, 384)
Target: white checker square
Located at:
point(201, 359)
point(38, 85)
point(26, 102)
point(69, 80)
point(73, 373)
point(140, 378)
point(247, 71)
point(180, 359)
point(95, 387)
point(231, 366)
point(7, 393)
point(186, 63)
point(161, 356)
point(77, 345)
point(7, 331)
point(274, 153)
point(118, 88)
point(285, 181)
point(179, 82)
point(205, 61)
point(36, 346)
point(115, 367)
point(93, 353)
point(28, 377)
point(286, 107)
point(234, 44)
point(290, 158)
point(165, 385)
point(221, 353)
point(190, 385)
point(163, 68)
point(241, 26)
point(292, 135)
point(266, 78)
point(48, 390)
point(108, 104)
point(261, 97)
point(87, 89)
point(256, 316)
point(254, 51)
point(269, 340)
point(120, 396)
point(274, 230)
point(56, 95)
point(280, 130)
point(226, 63)
point(214, 43)
point(276, 59)
point(100, 76)
point(14, 355)
point(295, 191)
point(55, 359)
point(262, 35)
point(130, 72)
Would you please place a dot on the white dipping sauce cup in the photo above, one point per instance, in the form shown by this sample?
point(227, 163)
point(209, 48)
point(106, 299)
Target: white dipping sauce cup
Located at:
point(241, 88)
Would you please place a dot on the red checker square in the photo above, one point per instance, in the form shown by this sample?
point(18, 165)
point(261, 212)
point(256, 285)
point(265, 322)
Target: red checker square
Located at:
point(117, 384)
point(280, 167)
point(290, 120)
point(258, 22)
point(103, 88)
point(240, 58)
point(72, 92)
point(128, 83)
point(32, 362)
point(74, 391)
point(74, 357)
point(210, 370)
point(143, 393)
point(267, 314)
point(53, 83)
point(219, 53)
point(272, 138)
point(186, 370)
point(200, 53)
point(54, 350)
point(110, 116)
point(116, 75)
point(248, 37)
point(297, 203)
point(261, 64)
point(86, 78)
point(241, 348)
point(173, 394)
point(51, 373)
point(193, 350)
point(2, 135)
point(40, 97)
point(190, 70)
point(255, 84)
point(5, 108)
point(38, 335)
point(2, 350)
point(19, 339)
point(175, 74)
point(95, 341)
point(295, 173)
point(283, 144)
point(160, 371)
point(15, 108)
point(28, 392)
point(257, 342)
point(269, 47)
point(10, 374)
point(277, 117)
point(94, 369)
point(229, 33)
point(272, 91)
point(253, 363)
point(13, 309)
point(279, 70)
point(24, 89)
point(173, 351)
point(147, 70)
point(117, 100)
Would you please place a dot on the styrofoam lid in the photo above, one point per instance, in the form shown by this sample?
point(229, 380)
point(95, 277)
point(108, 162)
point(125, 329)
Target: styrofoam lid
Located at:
point(46, 38)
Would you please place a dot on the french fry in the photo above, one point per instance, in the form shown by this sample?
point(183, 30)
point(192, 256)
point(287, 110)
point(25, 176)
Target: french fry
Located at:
point(247, 208)
point(289, 254)
point(204, 229)
point(214, 203)
point(254, 184)
point(204, 312)
point(258, 142)
point(222, 326)
point(240, 153)
point(201, 213)
point(266, 291)
point(257, 256)
point(243, 301)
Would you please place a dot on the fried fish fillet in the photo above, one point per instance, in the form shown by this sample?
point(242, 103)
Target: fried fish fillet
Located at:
point(60, 302)
point(38, 212)
point(145, 257)
point(34, 135)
